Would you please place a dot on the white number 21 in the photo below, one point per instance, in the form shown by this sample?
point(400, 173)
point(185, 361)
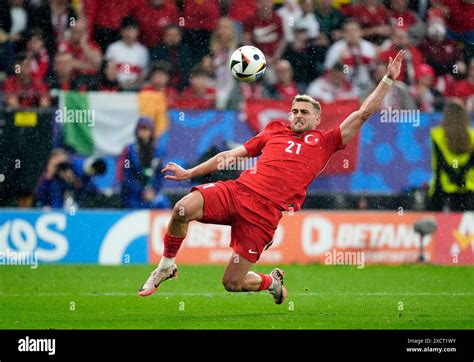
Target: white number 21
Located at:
point(291, 145)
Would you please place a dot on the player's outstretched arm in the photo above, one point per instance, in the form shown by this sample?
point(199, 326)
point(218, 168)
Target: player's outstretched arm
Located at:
point(219, 161)
point(352, 124)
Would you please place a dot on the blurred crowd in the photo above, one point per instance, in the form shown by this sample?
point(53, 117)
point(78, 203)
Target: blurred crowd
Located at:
point(329, 49)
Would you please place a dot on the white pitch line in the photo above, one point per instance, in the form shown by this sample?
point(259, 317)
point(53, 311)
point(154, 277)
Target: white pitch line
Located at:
point(307, 294)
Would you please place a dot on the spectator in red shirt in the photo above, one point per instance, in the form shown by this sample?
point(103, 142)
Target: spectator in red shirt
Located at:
point(413, 57)
point(464, 89)
point(200, 19)
point(460, 18)
point(86, 53)
point(105, 18)
point(425, 97)
point(159, 79)
point(240, 11)
point(62, 77)
point(373, 18)
point(444, 55)
point(199, 94)
point(285, 87)
point(265, 31)
point(24, 91)
point(36, 51)
point(402, 16)
point(153, 16)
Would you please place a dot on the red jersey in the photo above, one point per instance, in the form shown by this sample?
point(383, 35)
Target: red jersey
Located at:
point(289, 162)
point(30, 94)
point(153, 20)
point(266, 33)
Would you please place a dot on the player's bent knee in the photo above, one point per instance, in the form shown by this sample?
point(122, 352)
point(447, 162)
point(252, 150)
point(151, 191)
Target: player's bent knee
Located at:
point(188, 208)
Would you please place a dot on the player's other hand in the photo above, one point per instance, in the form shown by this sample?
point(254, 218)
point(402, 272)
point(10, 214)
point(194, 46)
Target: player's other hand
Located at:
point(394, 65)
point(178, 173)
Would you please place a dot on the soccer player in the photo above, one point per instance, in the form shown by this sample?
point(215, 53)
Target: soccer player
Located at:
point(291, 157)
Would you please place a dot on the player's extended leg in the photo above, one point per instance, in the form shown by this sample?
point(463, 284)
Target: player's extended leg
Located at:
point(238, 278)
point(189, 208)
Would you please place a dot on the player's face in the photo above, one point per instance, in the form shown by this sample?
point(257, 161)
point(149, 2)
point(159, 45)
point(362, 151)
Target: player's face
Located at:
point(303, 117)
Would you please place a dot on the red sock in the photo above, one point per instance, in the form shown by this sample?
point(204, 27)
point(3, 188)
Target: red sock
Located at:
point(172, 244)
point(266, 281)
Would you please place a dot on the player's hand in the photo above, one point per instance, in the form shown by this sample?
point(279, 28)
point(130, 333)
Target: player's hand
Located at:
point(179, 173)
point(394, 65)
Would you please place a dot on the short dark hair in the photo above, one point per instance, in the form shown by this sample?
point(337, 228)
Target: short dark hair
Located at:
point(129, 22)
point(349, 21)
point(20, 58)
point(34, 32)
point(171, 26)
point(197, 70)
point(162, 66)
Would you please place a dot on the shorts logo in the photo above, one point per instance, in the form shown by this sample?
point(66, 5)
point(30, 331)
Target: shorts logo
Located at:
point(253, 252)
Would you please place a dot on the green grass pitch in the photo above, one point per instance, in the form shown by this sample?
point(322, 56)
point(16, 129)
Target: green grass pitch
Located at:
point(319, 297)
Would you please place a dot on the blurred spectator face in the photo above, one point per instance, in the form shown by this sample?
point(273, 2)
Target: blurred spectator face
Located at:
point(16, 3)
point(156, 3)
point(130, 34)
point(307, 6)
point(172, 36)
point(264, 7)
point(159, 79)
point(57, 156)
point(283, 71)
point(301, 39)
point(63, 65)
point(426, 80)
point(35, 44)
point(144, 133)
point(24, 69)
point(337, 76)
point(400, 38)
point(225, 30)
point(436, 30)
point(199, 83)
point(352, 33)
point(399, 5)
point(78, 31)
point(425, 75)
